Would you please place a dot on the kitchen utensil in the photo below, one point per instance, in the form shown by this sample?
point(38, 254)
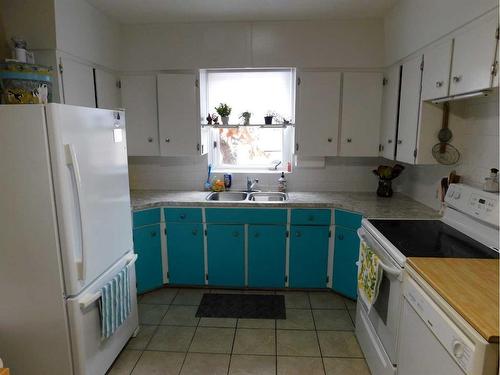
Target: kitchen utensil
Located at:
point(446, 154)
point(208, 185)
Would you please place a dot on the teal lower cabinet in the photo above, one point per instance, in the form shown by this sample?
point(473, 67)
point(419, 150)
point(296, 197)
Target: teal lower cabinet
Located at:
point(148, 268)
point(266, 256)
point(345, 256)
point(226, 260)
point(308, 256)
point(186, 263)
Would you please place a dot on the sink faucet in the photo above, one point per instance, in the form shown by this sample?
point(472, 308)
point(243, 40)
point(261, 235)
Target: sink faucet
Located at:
point(251, 183)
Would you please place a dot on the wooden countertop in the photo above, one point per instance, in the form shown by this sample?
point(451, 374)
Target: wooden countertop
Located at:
point(4, 371)
point(470, 286)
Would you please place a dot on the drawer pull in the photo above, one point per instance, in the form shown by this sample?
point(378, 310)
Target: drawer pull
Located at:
point(310, 218)
point(340, 237)
point(182, 216)
point(195, 232)
point(236, 234)
point(153, 234)
point(298, 234)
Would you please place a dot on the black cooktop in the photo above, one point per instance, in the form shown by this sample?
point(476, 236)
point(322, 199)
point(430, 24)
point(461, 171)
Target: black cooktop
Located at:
point(431, 238)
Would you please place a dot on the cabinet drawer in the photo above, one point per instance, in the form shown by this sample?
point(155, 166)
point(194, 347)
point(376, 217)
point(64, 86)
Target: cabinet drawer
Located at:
point(183, 215)
point(245, 216)
point(348, 219)
point(311, 216)
point(146, 217)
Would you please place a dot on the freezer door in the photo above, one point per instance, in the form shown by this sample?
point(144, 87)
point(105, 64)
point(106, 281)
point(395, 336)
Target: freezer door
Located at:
point(89, 166)
point(91, 355)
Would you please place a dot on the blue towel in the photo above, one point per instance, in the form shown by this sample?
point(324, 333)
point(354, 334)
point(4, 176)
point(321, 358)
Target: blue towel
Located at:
point(115, 305)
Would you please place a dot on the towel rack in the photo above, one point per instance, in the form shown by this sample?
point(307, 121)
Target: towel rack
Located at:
point(89, 299)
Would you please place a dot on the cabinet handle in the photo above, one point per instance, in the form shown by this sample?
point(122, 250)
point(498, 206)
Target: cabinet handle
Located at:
point(349, 140)
point(330, 140)
point(256, 235)
point(439, 84)
point(153, 234)
point(298, 234)
point(389, 141)
point(340, 237)
point(195, 232)
point(150, 139)
point(457, 79)
point(310, 218)
point(167, 140)
point(182, 216)
point(400, 141)
point(236, 234)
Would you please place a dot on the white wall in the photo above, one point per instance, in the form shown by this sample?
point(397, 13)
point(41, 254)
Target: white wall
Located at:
point(339, 174)
point(476, 122)
point(87, 33)
point(309, 44)
point(413, 24)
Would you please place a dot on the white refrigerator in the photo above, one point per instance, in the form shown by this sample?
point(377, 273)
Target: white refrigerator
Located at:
point(65, 231)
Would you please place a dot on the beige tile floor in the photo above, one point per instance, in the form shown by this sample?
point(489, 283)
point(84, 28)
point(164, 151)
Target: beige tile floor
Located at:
point(316, 338)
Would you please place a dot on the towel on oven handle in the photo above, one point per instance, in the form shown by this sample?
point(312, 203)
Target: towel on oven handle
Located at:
point(369, 274)
point(115, 304)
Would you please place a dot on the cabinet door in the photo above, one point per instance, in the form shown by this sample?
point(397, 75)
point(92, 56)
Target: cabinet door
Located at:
point(78, 83)
point(317, 117)
point(177, 115)
point(409, 110)
point(361, 114)
point(226, 247)
point(390, 98)
point(147, 244)
point(186, 265)
point(266, 256)
point(473, 56)
point(139, 100)
point(345, 256)
point(436, 75)
point(308, 256)
point(107, 89)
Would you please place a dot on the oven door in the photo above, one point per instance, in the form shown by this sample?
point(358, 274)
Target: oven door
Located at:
point(385, 313)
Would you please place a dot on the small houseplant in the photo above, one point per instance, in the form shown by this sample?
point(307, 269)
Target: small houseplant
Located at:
point(224, 111)
point(268, 118)
point(246, 117)
point(385, 175)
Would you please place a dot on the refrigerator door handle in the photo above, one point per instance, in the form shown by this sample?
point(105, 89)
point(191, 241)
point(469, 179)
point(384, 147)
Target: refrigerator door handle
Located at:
point(72, 162)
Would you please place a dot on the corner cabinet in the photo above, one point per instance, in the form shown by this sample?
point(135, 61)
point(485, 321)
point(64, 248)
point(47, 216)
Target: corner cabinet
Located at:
point(361, 112)
point(139, 100)
point(179, 125)
point(317, 117)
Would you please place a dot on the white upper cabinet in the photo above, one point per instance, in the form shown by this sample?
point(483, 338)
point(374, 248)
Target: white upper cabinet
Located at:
point(138, 96)
point(178, 114)
point(436, 75)
point(409, 110)
point(317, 115)
point(474, 55)
point(77, 83)
point(390, 96)
point(361, 114)
point(107, 88)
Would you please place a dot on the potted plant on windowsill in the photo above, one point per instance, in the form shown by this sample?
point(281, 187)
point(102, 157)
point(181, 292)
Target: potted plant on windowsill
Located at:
point(268, 118)
point(224, 111)
point(246, 117)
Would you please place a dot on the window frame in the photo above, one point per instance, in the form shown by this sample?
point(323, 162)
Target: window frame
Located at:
point(287, 131)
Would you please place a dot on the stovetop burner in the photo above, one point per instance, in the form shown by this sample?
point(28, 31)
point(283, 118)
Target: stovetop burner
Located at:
point(431, 238)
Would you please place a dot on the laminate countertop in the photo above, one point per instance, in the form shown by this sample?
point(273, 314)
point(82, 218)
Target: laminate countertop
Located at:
point(470, 286)
point(368, 204)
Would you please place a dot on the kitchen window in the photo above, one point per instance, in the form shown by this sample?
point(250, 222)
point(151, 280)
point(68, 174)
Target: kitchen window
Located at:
point(255, 146)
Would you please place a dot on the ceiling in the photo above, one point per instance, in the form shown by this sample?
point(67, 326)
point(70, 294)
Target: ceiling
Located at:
point(159, 11)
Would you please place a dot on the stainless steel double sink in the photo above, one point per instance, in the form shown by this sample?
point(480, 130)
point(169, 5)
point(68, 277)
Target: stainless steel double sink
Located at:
point(243, 196)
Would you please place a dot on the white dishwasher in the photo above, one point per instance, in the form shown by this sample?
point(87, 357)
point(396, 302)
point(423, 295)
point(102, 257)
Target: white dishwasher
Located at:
point(433, 344)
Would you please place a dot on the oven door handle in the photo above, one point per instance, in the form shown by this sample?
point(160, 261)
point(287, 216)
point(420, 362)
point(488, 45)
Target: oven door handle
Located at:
point(387, 269)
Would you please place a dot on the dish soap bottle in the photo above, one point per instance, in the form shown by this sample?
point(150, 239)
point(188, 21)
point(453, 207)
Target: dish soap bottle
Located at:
point(282, 183)
point(491, 183)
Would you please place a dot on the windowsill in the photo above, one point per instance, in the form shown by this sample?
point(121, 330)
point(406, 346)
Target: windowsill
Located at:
point(248, 171)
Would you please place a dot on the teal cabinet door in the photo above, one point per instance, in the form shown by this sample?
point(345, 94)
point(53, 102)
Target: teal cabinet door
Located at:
point(148, 268)
point(308, 256)
point(266, 256)
point(226, 247)
point(186, 264)
point(345, 256)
